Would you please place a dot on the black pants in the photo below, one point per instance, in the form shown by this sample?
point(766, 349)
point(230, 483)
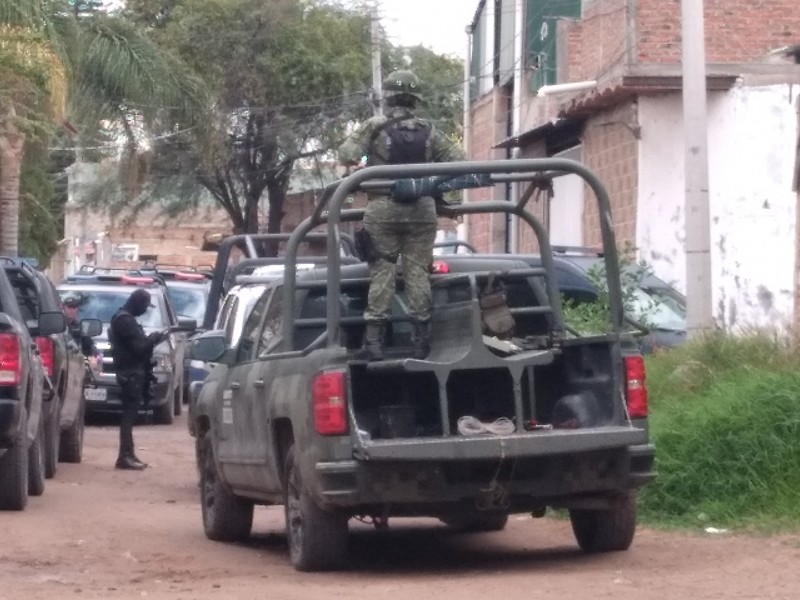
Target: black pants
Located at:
point(132, 385)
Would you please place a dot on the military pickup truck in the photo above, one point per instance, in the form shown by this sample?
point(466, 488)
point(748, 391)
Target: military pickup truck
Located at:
point(485, 426)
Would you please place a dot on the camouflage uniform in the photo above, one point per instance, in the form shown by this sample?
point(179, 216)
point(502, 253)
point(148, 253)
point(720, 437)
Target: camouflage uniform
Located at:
point(407, 230)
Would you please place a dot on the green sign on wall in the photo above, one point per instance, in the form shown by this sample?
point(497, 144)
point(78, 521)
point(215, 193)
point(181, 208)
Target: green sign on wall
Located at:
point(541, 19)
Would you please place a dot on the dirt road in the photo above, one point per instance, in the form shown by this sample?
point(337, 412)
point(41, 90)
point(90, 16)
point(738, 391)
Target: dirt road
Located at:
point(102, 533)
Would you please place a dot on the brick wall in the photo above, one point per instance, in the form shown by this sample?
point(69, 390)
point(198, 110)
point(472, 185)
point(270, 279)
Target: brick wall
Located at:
point(611, 150)
point(598, 42)
point(489, 116)
point(736, 31)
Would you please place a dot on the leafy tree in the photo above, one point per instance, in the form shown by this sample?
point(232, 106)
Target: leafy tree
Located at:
point(288, 93)
point(38, 223)
point(100, 63)
point(33, 90)
point(285, 78)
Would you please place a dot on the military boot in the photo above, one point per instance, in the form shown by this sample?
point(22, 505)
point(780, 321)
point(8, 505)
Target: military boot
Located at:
point(129, 463)
point(421, 339)
point(372, 350)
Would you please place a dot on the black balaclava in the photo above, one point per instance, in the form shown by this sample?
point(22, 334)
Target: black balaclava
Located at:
point(138, 302)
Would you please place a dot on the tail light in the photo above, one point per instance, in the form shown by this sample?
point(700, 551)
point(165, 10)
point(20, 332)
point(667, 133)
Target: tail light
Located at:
point(45, 345)
point(330, 403)
point(439, 267)
point(9, 359)
point(635, 388)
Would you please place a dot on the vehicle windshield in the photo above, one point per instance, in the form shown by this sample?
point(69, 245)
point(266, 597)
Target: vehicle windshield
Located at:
point(102, 304)
point(658, 308)
point(188, 301)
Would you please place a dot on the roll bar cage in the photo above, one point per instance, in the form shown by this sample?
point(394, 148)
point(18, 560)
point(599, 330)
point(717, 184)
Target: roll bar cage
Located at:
point(538, 173)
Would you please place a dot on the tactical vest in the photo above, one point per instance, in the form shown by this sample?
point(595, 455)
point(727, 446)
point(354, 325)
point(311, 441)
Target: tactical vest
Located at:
point(402, 140)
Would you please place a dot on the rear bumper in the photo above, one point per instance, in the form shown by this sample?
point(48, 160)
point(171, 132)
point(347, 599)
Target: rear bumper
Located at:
point(517, 475)
point(113, 396)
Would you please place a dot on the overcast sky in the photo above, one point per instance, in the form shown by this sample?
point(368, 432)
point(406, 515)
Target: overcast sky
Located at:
point(438, 24)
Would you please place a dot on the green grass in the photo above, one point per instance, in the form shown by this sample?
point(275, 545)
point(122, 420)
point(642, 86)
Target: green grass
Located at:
point(725, 419)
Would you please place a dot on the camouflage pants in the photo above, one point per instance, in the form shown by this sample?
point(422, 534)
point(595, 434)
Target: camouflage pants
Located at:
point(413, 243)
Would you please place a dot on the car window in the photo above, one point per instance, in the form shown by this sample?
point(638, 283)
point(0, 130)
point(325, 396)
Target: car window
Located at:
point(102, 304)
point(271, 329)
point(661, 312)
point(251, 330)
point(227, 320)
point(188, 302)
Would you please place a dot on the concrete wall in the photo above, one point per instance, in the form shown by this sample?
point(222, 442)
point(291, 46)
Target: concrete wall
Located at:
point(752, 138)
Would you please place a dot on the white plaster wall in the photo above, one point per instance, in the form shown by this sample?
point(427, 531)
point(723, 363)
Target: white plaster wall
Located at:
point(566, 209)
point(752, 137)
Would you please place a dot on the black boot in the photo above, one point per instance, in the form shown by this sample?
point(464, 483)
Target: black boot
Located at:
point(130, 463)
point(421, 338)
point(372, 350)
point(138, 460)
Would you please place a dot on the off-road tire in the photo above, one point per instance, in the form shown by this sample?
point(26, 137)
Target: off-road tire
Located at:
point(36, 464)
point(178, 400)
point(317, 539)
point(164, 414)
point(226, 518)
point(71, 446)
point(14, 473)
point(606, 530)
point(52, 436)
point(479, 523)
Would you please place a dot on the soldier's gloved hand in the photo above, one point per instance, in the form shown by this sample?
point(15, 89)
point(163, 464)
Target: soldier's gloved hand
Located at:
point(157, 337)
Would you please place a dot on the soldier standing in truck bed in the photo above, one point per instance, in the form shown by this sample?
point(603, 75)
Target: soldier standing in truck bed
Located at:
point(399, 229)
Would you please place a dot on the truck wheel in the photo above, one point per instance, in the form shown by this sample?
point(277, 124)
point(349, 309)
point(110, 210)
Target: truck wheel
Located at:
point(71, 446)
point(178, 401)
point(317, 539)
point(226, 518)
point(36, 464)
point(52, 435)
point(14, 473)
point(479, 523)
point(165, 413)
point(605, 530)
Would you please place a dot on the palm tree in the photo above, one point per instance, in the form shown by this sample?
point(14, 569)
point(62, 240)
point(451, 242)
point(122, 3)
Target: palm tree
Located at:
point(32, 84)
point(95, 68)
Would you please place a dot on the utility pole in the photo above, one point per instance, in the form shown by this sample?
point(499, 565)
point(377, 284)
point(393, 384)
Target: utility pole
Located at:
point(375, 38)
point(699, 314)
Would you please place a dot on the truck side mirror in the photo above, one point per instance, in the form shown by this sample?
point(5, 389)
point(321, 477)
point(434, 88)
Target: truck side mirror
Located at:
point(51, 322)
point(91, 327)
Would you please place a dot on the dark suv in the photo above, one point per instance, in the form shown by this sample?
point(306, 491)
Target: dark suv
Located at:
point(63, 361)
point(102, 295)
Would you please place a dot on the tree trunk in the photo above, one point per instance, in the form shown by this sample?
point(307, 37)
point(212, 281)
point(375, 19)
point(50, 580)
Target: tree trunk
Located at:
point(12, 142)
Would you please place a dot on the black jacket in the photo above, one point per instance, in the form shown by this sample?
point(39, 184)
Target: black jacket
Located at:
point(131, 348)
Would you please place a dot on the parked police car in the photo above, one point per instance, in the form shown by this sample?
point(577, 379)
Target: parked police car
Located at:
point(102, 295)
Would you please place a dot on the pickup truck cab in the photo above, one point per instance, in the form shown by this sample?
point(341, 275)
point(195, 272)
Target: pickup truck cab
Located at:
point(485, 426)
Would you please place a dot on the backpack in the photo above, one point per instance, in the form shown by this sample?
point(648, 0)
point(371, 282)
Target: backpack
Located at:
point(402, 140)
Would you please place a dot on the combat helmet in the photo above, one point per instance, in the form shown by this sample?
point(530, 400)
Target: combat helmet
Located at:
point(402, 86)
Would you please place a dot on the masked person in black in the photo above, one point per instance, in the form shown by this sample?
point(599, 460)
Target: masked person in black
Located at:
point(132, 351)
